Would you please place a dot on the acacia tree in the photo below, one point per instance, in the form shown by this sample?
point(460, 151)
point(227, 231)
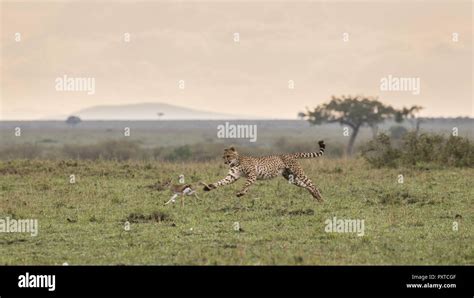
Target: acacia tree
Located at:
point(73, 120)
point(354, 112)
point(410, 114)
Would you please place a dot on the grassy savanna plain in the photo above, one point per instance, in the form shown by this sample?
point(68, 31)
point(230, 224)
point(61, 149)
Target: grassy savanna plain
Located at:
point(85, 222)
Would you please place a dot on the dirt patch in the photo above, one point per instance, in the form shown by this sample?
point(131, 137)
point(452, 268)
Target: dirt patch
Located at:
point(9, 171)
point(10, 242)
point(297, 212)
point(156, 216)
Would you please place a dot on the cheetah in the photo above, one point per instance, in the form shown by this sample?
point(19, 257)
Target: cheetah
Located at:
point(267, 167)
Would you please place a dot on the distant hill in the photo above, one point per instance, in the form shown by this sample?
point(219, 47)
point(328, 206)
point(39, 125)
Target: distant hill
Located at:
point(150, 111)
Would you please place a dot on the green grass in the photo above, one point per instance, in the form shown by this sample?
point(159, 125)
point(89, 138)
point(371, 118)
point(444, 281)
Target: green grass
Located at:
point(83, 223)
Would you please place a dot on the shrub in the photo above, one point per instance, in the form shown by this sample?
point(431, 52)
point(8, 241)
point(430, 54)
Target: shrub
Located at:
point(379, 152)
point(423, 148)
point(458, 152)
point(112, 150)
point(180, 153)
point(397, 132)
point(419, 150)
point(23, 151)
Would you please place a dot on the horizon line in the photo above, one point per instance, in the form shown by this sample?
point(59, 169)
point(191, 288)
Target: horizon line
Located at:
point(223, 119)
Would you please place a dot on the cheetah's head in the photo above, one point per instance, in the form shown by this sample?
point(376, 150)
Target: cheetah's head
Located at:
point(231, 156)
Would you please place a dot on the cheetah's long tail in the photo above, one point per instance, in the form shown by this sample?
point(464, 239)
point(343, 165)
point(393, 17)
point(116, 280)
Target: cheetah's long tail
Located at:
point(322, 146)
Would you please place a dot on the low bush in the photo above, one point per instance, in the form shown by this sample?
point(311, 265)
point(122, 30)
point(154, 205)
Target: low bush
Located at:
point(110, 150)
point(379, 152)
point(414, 150)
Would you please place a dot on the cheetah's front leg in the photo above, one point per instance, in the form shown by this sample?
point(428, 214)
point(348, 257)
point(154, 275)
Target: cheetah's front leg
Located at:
point(250, 180)
point(230, 178)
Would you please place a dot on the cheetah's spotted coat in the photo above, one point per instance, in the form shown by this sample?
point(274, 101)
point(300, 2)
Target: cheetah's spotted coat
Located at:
point(267, 167)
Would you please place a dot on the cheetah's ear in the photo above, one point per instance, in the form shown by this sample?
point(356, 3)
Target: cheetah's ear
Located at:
point(232, 148)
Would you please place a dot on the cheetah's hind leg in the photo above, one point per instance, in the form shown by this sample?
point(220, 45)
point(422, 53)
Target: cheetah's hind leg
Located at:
point(303, 181)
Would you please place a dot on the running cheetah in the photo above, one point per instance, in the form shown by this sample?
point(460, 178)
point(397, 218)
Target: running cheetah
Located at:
point(267, 167)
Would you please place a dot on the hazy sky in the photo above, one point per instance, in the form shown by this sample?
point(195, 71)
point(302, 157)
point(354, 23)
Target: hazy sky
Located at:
point(194, 41)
